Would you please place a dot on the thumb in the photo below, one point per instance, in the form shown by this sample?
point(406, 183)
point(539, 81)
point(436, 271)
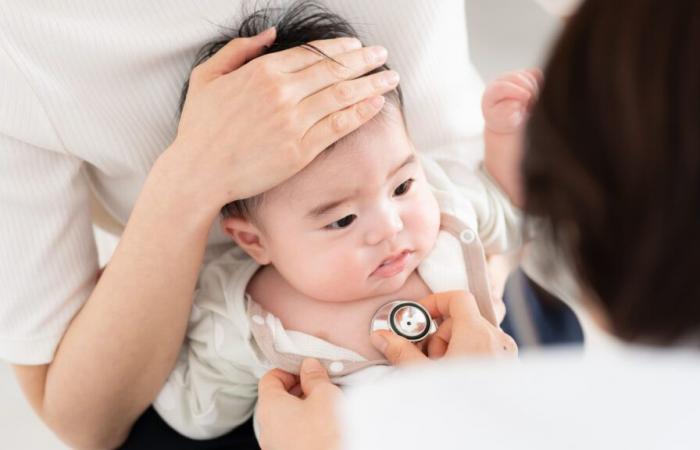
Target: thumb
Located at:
point(312, 376)
point(396, 349)
point(237, 52)
point(276, 382)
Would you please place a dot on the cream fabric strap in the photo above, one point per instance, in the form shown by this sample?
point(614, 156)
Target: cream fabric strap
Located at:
point(475, 264)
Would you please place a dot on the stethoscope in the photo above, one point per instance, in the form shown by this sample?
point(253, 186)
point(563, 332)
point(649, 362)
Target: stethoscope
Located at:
point(404, 318)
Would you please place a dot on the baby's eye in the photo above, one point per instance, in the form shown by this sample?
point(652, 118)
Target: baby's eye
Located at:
point(342, 223)
point(404, 187)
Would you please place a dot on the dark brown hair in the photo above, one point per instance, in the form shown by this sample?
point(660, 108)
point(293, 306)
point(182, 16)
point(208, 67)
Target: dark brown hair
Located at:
point(298, 24)
point(612, 161)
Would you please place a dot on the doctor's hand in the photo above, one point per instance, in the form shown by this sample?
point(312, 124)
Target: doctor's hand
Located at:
point(463, 332)
point(306, 421)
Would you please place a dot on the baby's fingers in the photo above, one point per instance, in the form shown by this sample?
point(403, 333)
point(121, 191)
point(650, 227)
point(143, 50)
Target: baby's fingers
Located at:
point(505, 90)
point(529, 79)
point(505, 116)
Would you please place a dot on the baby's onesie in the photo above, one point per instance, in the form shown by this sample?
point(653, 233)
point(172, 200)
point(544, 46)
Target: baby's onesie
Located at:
point(232, 341)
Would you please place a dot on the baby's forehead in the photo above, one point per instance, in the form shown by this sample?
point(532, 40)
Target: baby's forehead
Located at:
point(368, 152)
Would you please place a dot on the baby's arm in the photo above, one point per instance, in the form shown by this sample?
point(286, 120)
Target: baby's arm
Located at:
point(506, 105)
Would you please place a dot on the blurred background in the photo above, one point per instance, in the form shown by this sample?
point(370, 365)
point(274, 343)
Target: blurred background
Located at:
point(503, 35)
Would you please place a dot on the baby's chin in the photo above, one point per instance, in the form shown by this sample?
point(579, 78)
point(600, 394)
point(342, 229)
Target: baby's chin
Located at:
point(373, 289)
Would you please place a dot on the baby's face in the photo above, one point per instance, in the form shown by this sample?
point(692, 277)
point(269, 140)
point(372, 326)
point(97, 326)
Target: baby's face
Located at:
point(357, 221)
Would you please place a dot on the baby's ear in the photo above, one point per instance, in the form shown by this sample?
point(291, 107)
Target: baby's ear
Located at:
point(248, 236)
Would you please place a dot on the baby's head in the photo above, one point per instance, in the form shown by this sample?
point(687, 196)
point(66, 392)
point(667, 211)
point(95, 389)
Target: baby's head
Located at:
point(355, 222)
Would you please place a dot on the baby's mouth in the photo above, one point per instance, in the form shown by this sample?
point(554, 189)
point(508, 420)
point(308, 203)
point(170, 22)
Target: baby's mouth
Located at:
point(392, 265)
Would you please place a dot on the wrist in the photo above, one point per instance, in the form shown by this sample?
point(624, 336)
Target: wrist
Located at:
point(502, 159)
point(174, 189)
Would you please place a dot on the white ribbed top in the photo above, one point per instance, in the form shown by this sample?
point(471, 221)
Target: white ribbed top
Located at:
point(89, 98)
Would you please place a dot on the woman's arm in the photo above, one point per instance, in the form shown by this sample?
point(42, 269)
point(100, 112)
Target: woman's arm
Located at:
point(243, 130)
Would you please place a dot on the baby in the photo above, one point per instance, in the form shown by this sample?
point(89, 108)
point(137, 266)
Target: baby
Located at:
point(367, 222)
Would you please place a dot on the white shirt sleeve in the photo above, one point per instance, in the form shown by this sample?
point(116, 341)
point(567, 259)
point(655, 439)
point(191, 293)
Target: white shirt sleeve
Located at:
point(49, 261)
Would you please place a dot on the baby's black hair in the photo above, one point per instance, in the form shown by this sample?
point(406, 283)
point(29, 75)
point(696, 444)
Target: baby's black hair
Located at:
point(302, 22)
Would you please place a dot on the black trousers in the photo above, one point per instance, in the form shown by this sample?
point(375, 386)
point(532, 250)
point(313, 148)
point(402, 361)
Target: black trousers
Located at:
point(150, 432)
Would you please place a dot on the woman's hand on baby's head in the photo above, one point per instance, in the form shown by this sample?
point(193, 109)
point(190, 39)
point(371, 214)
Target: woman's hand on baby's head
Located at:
point(462, 332)
point(508, 100)
point(247, 127)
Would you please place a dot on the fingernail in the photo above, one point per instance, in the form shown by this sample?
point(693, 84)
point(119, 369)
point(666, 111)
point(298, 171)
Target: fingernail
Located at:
point(311, 365)
point(377, 101)
point(379, 342)
point(378, 53)
point(355, 43)
point(266, 33)
point(390, 78)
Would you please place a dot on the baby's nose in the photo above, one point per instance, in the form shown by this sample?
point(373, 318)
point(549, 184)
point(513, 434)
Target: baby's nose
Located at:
point(387, 227)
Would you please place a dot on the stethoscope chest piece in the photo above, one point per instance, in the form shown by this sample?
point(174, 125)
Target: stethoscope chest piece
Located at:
point(405, 318)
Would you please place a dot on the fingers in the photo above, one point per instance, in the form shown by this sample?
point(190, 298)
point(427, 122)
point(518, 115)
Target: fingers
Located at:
point(439, 342)
point(347, 93)
point(529, 79)
point(298, 58)
point(521, 85)
point(505, 90)
point(507, 101)
point(336, 125)
point(396, 349)
point(459, 305)
point(510, 347)
point(232, 55)
point(345, 66)
point(276, 382)
point(536, 76)
point(499, 307)
point(313, 376)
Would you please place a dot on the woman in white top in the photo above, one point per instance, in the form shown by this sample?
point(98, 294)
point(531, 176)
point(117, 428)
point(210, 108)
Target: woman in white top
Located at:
point(89, 99)
point(611, 168)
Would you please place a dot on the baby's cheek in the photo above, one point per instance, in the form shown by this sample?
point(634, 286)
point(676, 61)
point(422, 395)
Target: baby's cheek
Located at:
point(338, 274)
point(428, 221)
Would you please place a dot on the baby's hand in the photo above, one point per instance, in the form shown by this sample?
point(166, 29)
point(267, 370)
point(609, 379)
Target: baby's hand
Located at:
point(508, 100)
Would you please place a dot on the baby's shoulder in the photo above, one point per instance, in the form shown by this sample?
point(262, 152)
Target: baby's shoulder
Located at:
point(231, 271)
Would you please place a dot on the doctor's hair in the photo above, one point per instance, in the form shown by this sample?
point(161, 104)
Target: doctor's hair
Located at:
point(297, 25)
point(612, 163)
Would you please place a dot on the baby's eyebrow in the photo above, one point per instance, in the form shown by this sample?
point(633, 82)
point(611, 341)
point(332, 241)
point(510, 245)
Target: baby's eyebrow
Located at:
point(411, 158)
point(323, 208)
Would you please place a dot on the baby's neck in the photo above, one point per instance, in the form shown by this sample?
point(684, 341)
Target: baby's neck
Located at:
point(345, 324)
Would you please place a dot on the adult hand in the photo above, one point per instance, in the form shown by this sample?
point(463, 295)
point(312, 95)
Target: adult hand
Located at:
point(246, 127)
point(307, 421)
point(463, 331)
